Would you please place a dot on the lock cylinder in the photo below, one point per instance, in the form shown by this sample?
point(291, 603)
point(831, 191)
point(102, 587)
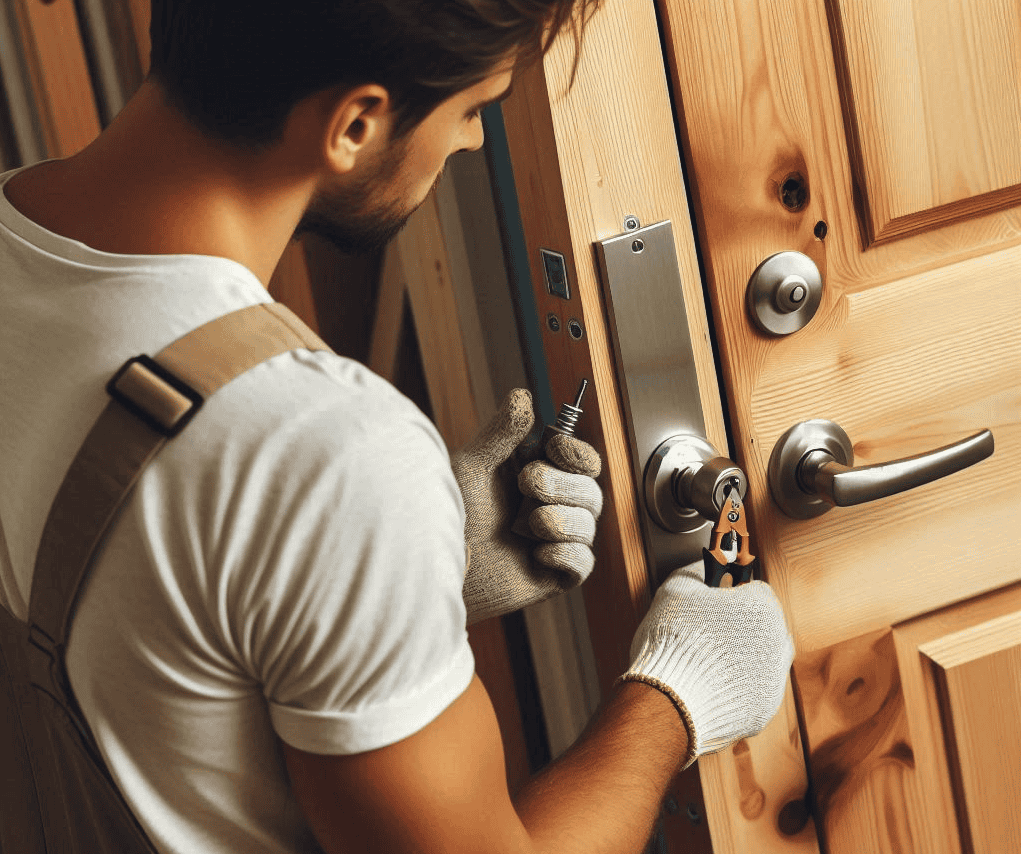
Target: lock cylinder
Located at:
point(686, 483)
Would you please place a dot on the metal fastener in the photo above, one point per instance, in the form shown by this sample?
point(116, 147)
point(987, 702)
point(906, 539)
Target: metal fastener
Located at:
point(638, 246)
point(553, 322)
point(574, 329)
point(631, 223)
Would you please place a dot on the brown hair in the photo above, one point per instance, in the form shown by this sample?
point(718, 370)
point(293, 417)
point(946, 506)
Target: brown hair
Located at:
point(236, 68)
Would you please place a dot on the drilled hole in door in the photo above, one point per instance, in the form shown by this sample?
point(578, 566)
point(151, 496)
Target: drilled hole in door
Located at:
point(794, 191)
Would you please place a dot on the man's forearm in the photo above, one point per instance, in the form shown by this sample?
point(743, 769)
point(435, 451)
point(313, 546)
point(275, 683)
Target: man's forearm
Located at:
point(602, 796)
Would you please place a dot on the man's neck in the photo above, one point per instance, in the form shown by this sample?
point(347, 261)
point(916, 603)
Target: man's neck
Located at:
point(150, 184)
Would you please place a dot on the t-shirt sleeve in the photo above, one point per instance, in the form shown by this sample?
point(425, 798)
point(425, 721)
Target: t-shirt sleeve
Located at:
point(349, 612)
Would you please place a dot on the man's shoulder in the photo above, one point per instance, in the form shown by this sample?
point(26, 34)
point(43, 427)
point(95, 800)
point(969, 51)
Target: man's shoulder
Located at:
point(307, 420)
point(313, 399)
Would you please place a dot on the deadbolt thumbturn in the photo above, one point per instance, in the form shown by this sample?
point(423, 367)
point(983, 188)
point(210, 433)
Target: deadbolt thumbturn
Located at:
point(686, 483)
point(784, 293)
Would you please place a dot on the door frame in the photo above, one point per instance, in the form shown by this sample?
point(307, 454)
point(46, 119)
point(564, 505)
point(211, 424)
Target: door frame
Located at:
point(586, 156)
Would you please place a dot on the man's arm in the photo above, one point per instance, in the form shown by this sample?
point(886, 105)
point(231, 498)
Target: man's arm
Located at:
point(686, 693)
point(444, 789)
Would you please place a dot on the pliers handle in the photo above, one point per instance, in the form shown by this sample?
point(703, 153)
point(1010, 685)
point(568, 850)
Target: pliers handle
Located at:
point(717, 565)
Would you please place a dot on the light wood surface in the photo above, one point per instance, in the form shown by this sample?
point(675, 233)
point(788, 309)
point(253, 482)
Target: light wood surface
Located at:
point(931, 141)
point(290, 284)
point(978, 673)
point(914, 346)
point(912, 732)
point(422, 249)
point(59, 74)
point(584, 159)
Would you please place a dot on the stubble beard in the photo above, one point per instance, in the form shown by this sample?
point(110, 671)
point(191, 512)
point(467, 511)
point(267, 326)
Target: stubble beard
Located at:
point(362, 218)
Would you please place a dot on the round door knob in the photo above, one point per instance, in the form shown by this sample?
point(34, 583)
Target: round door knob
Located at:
point(784, 293)
point(686, 483)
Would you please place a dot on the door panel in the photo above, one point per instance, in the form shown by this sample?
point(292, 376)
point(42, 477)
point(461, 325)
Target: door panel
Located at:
point(912, 731)
point(930, 141)
point(898, 123)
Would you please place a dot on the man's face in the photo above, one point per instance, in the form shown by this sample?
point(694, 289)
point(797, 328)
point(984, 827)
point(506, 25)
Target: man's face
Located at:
point(363, 213)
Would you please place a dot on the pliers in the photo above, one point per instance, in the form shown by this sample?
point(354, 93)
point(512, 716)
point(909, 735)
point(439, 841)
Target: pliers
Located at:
point(717, 565)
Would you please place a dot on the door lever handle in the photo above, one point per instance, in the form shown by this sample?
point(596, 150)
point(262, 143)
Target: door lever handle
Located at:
point(812, 469)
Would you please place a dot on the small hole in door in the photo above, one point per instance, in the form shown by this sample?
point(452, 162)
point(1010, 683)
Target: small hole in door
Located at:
point(794, 192)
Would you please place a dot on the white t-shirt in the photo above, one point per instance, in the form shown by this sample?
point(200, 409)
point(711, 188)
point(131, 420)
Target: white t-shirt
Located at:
point(290, 565)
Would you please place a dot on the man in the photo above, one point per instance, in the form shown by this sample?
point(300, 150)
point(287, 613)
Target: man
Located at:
point(271, 649)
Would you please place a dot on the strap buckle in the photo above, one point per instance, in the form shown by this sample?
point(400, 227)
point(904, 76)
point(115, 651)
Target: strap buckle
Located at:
point(151, 393)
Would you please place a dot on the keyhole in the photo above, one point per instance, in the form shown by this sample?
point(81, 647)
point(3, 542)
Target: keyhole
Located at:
point(794, 191)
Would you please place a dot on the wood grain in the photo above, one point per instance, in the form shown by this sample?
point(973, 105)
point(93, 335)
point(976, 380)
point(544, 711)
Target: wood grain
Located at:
point(897, 719)
point(931, 141)
point(978, 674)
point(914, 346)
point(290, 284)
point(862, 760)
point(906, 352)
point(583, 159)
point(59, 72)
point(422, 249)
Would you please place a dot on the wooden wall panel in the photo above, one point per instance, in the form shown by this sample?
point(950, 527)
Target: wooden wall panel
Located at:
point(418, 270)
point(931, 141)
point(290, 284)
point(422, 249)
point(59, 74)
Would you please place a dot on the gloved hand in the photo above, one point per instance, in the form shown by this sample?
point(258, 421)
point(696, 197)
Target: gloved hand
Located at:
point(721, 654)
point(507, 571)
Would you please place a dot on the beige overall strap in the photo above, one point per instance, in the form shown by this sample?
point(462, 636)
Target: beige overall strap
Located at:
point(122, 442)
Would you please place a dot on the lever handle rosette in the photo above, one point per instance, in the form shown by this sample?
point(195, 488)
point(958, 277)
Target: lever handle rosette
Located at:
point(812, 469)
point(687, 482)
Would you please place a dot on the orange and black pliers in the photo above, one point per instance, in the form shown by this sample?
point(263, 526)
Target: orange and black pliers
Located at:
point(717, 565)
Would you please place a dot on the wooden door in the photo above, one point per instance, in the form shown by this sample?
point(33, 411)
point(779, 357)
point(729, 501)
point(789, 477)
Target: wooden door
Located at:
point(880, 138)
point(900, 122)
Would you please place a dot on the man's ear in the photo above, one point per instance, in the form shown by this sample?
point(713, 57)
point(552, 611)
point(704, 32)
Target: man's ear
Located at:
point(359, 123)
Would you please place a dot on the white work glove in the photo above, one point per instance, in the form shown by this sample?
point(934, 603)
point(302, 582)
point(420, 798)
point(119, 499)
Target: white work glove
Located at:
point(721, 654)
point(507, 571)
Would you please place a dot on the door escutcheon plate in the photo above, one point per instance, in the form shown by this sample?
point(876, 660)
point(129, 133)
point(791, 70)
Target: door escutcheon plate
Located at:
point(656, 365)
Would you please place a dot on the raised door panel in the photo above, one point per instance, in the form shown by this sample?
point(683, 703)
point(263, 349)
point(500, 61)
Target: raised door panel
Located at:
point(978, 675)
point(912, 734)
point(931, 141)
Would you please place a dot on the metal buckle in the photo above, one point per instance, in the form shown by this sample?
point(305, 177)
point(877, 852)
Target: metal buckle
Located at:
point(176, 383)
